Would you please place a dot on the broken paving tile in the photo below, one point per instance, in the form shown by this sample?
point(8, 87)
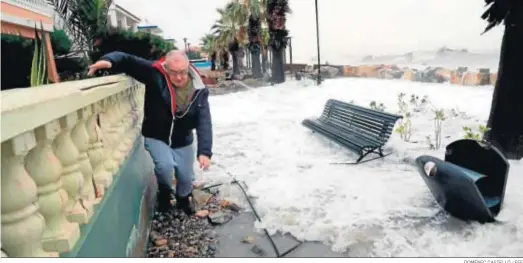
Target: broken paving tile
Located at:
point(258, 250)
point(220, 218)
point(201, 197)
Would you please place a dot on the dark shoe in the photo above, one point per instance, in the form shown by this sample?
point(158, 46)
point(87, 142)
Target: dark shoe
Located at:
point(185, 204)
point(164, 199)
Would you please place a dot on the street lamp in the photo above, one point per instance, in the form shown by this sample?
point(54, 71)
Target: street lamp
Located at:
point(318, 42)
point(289, 41)
point(185, 43)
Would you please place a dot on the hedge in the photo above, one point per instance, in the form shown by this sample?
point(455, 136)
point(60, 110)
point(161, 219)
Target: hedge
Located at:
point(17, 55)
point(140, 44)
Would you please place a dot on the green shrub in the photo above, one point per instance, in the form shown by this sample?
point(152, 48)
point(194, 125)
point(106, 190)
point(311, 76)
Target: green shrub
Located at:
point(60, 42)
point(140, 44)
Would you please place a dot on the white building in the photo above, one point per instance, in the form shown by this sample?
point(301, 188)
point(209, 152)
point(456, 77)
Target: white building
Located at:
point(119, 17)
point(150, 28)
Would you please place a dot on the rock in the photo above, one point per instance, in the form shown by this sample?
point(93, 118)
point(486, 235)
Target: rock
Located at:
point(191, 250)
point(219, 218)
point(326, 72)
point(212, 247)
point(155, 235)
point(248, 240)
point(258, 251)
point(202, 213)
point(213, 190)
point(174, 234)
point(333, 72)
point(234, 207)
point(160, 242)
point(224, 203)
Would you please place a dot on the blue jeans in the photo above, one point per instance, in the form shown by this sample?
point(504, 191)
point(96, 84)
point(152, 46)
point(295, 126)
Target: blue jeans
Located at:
point(168, 162)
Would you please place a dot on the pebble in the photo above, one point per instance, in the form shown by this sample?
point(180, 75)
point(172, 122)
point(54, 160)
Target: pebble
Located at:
point(160, 242)
point(219, 218)
point(248, 240)
point(174, 234)
point(202, 213)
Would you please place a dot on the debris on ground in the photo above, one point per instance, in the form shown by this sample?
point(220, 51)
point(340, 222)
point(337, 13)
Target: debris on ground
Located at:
point(220, 217)
point(174, 234)
point(248, 240)
point(258, 251)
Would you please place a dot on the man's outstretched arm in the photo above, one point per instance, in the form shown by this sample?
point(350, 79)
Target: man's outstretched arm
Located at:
point(120, 62)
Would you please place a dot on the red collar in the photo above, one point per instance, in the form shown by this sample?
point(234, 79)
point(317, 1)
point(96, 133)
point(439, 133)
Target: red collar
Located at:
point(159, 67)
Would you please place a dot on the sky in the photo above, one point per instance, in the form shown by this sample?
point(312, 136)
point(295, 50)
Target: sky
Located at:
point(347, 27)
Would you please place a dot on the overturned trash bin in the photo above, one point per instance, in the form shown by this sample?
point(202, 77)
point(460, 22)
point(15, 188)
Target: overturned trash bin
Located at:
point(470, 183)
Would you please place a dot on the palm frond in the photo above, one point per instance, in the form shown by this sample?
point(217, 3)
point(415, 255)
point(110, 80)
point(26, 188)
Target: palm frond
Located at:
point(495, 13)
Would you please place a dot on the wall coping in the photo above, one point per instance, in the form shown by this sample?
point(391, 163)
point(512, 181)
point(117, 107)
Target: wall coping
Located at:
point(24, 109)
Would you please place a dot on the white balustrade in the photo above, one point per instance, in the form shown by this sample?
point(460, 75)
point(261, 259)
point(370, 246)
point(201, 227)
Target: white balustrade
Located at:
point(61, 146)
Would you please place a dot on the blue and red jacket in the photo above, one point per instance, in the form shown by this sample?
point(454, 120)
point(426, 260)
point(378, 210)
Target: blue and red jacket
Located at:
point(161, 119)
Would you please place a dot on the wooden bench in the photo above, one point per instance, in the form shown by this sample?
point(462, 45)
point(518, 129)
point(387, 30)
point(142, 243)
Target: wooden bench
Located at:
point(360, 129)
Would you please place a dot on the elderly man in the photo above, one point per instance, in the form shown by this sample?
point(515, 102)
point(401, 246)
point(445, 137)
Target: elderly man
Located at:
point(176, 103)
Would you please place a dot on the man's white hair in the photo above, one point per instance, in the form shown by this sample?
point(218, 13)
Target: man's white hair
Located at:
point(174, 53)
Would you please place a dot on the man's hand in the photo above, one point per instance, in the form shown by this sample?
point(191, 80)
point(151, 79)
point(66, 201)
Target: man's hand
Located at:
point(101, 64)
point(204, 161)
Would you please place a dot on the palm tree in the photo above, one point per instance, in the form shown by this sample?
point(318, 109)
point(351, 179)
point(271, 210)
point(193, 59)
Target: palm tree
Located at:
point(506, 127)
point(276, 18)
point(84, 21)
point(254, 32)
point(227, 28)
point(265, 48)
point(209, 47)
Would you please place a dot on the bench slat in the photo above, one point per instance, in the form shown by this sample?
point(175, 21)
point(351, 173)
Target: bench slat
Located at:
point(384, 115)
point(357, 122)
point(361, 133)
point(372, 124)
point(354, 144)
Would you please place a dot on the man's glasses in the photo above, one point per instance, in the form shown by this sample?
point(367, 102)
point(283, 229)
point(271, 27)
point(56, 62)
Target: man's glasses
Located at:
point(175, 73)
